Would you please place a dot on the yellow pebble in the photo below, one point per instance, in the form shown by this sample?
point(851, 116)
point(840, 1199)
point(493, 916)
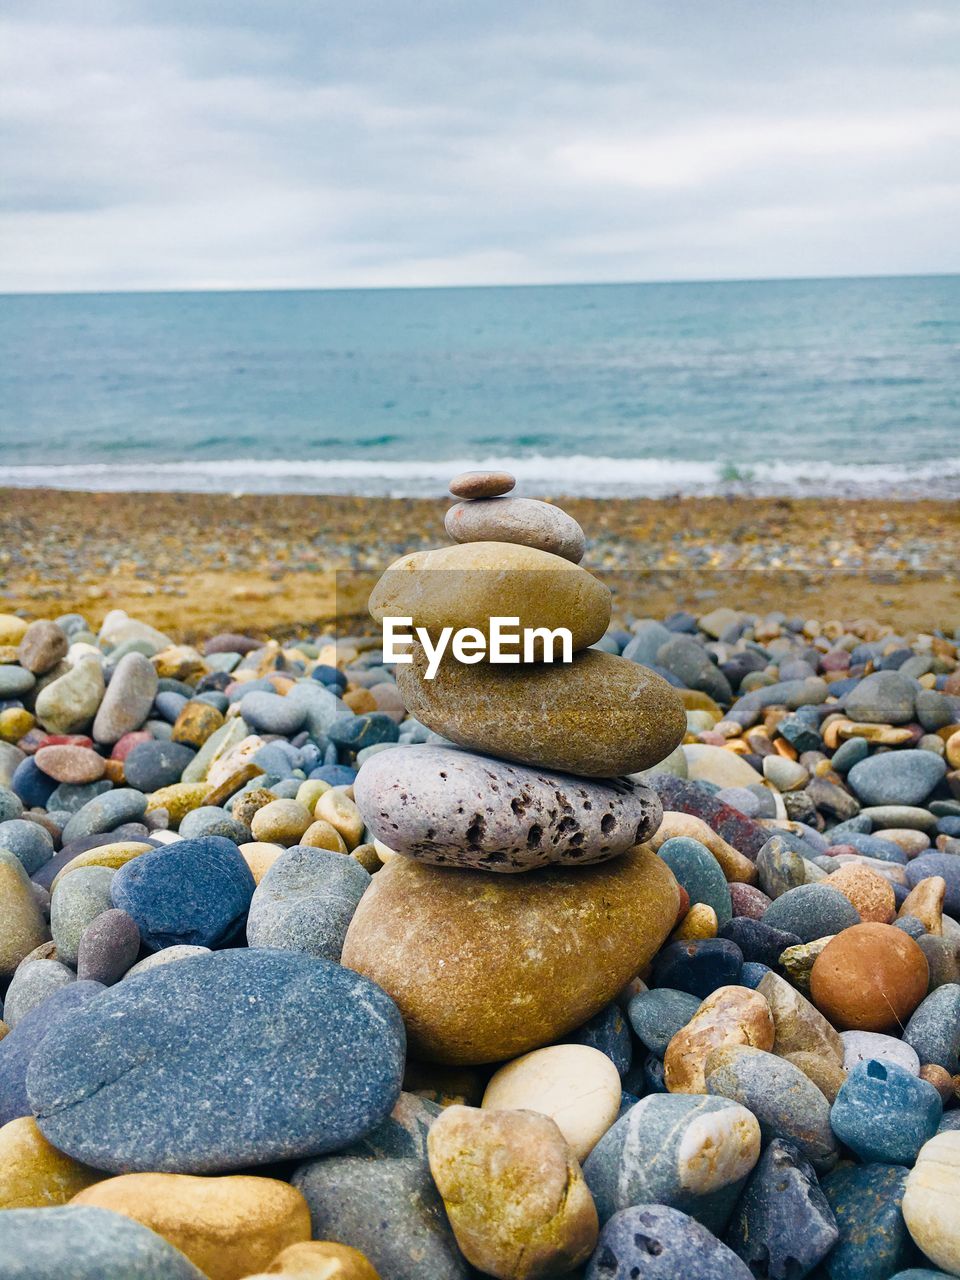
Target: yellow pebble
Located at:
point(341, 812)
point(310, 792)
point(320, 1260)
point(321, 835)
point(260, 857)
point(699, 922)
point(14, 723)
point(12, 629)
point(179, 799)
point(104, 855)
point(34, 1174)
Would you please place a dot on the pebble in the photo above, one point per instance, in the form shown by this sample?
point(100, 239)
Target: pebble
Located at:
point(18, 1048)
point(897, 777)
point(933, 1032)
point(519, 981)
point(513, 1190)
point(871, 894)
point(22, 926)
point(219, 1062)
point(526, 521)
point(783, 1225)
point(76, 901)
point(15, 681)
point(759, 943)
point(281, 822)
point(944, 865)
point(482, 484)
point(885, 697)
point(598, 716)
point(656, 1242)
point(884, 1113)
point(460, 818)
point(271, 713)
point(869, 978)
point(105, 812)
point(34, 1175)
point(209, 820)
point(305, 902)
point(69, 703)
point(930, 1201)
point(691, 1153)
point(698, 871)
point(128, 698)
point(193, 893)
point(811, 911)
point(862, 1046)
point(874, 1242)
point(657, 1016)
point(228, 1227)
point(699, 966)
point(86, 1243)
point(30, 986)
point(108, 947)
point(577, 1086)
point(28, 841)
point(70, 764)
point(729, 1016)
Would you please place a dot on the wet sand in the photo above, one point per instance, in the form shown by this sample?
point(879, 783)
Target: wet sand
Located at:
point(192, 564)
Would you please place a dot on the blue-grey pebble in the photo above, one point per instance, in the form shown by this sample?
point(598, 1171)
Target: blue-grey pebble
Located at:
point(211, 820)
point(305, 902)
point(11, 806)
point(884, 697)
point(811, 911)
point(934, 1028)
point(356, 732)
point(15, 680)
point(28, 841)
point(699, 966)
point(785, 1101)
point(782, 1226)
point(656, 1016)
point(656, 1242)
point(760, 943)
point(698, 871)
point(848, 754)
point(70, 797)
point(273, 713)
point(81, 1242)
point(193, 892)
point(77, 900)
point(938, 864)
point(897, 777)
point(219, 1062)
point(18, 1048)
point(874, 1241)
point(31, 984)
point(609, 1032)
point(885, 1113)
point(106, 812)
point(152, 765)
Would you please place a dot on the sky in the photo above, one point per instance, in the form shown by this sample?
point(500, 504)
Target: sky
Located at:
point(197, 144)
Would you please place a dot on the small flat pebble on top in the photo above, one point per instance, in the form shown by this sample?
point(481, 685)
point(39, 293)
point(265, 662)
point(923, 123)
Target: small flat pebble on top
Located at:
point(482, 484)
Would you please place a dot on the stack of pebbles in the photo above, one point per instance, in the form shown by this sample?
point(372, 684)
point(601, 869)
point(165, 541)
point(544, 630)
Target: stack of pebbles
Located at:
point(521, 897)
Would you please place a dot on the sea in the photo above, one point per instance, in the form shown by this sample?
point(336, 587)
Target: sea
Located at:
point(782, 387)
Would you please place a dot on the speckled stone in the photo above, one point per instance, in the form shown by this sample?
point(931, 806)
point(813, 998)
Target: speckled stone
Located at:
point(69, 703)
point(32, 983)
point(519, 981)
point(862, 1046)
point(218, 1062)
point(884, 697)
point(692, 1153)
point(526, 521)
point(933, 1031)
point(698, 871)
point(128, 699)
point(106, 812)
point(306, 901)
point(655, 1242)
point(782, 1225)
point(874, 1242)
point(656, 1016)
point(460, 818)
point(884, 1113)
point(896, 777)
point(599, 716)
point(811, 911)
point(730, 1016)
point(785, 1102)
point(108, 947)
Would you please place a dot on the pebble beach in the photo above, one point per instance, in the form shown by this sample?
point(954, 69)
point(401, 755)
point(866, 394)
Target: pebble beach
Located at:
point(642, 966)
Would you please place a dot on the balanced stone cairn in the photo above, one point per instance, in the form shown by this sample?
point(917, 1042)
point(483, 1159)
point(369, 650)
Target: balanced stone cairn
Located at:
point(530, 777)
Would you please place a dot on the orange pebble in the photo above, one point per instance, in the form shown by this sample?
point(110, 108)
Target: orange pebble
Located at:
point(870, 977)
point(869, 892)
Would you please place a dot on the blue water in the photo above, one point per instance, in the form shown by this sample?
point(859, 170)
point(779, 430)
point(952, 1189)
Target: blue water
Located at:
point(829, 386)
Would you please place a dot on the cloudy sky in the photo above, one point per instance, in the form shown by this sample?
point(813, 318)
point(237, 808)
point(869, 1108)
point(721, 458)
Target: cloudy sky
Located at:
point(259, 143)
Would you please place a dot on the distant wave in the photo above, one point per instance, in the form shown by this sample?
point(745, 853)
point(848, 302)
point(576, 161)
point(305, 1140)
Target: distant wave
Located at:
point(572, 474)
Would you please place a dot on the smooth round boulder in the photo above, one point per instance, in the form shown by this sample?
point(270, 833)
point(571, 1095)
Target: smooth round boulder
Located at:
point(467, 585)
point(655, 1242)
point(598, 716)
point(228, 1227)
point(219, 1062)
point(930, 1201)
point(474, 811)
point(869, 978)
point(513, 1190)
point(577, 1086)
point(526, 521)
point(537, 955)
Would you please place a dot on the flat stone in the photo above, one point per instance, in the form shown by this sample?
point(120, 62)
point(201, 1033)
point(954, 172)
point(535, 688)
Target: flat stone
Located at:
point(461, 817)
point(897, 777)
point(128, 699)
point(691, 1153)
point(105, 812)
point(305, 902)
point(526, 521)
point(519, 981)
point(466, 585)
point(599, 716)
point(482, 484)
point(70, 764)
point(218, 1062)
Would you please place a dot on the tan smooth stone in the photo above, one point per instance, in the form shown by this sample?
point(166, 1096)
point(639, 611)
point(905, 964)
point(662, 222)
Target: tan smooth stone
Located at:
point(871, 977)
point(798, 1026)
point(321, 835)
point(536, 954)
point(599, 716)
point(728, 1016)
point(514, 1193)
point(179, 799)
point(870, 893)
point(577, 1086)
point(227, 1226)
point(339, 809)
point(953, 750)
point(280, 822)
point(699, 922)
point(735, 866)
point(260, 857)
point(527, 521)
point(104, 855)
point(931, 1199)
point(940, 1078)
point(24, 927)
point(720, 766)
point(466, 585)
point(12, 628)
point(925, 901)
point(823, 1071)
point(911, 841)
point(319, 1260)
point(478, 484)
point(34, 1174)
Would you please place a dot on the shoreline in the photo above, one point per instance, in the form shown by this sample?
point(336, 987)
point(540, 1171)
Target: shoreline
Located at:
point(191, 563)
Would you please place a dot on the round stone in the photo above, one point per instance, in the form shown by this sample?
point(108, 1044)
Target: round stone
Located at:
point(931, 1198)
point(219, 1062)
point(44, 644)
point(33, 1174)
point(884, 697)
point(150, 766)
point(482, 484)
point(76, 901)
point(70, 764)
point(871, 894)
point(30, 986)
point(577, 1086)
point(30, 842)
point(869, 978)
point(108, 947)
point(228, 1227)
point(657, 1016)
point(461, 817)
point(513, 1191)
point(22, 926)
point(655, 1242)
point(519, 981)
point(896, 777)
point(599, 716)
point(811, 911)
point(69, 703)
point(281, 822)
point(526, 521)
